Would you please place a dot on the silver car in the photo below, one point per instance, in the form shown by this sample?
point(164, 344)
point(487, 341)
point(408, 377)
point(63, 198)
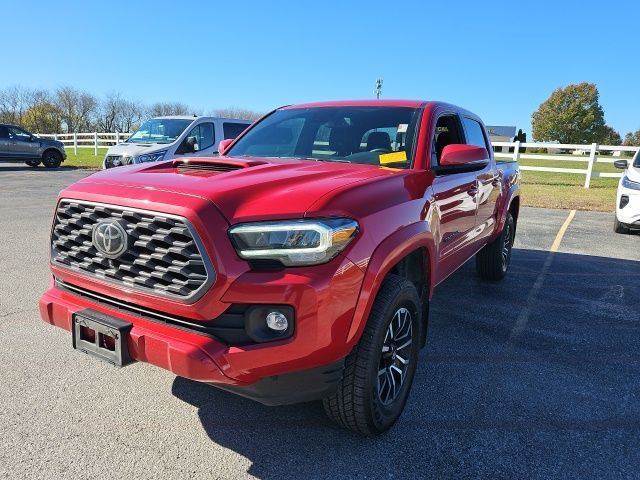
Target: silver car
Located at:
point(165, 138)
point(16, 144)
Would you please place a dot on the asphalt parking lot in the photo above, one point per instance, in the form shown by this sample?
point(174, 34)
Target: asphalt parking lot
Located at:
point(536, 377)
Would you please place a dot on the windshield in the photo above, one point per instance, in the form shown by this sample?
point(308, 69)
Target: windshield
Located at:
point(365, 135)
point(160, 130)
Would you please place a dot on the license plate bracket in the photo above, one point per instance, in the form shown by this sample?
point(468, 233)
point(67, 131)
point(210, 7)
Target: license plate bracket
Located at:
point(101, 336)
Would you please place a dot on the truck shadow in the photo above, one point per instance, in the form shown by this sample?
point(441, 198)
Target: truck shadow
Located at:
point(535, 375)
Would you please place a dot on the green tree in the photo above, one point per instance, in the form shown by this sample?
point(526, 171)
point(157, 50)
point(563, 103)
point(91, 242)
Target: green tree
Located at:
point(43, 117)
point(632, 139)
point(570, 115)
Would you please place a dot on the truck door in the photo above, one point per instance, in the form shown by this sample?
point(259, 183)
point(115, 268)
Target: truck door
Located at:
point(455, 198)
point(4, 142)
point(22, 144)
point(205, 141)
point(488, 180)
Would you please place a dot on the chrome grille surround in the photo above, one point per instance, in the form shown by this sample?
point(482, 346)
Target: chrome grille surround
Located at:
point(165, 258)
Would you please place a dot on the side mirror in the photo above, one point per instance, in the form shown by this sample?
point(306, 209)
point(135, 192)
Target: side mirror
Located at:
point(224, 145)
point(457, 154)
point(192, 144)
point(621, 164)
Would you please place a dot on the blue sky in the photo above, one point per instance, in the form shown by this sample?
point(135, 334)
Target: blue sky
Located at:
point(499, 59)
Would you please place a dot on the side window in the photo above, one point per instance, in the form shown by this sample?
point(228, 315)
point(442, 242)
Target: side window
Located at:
point(204, 135)
point(19, 134)
point(447, 132)
point(475, 134)
point(4, 132)
point(233, 130)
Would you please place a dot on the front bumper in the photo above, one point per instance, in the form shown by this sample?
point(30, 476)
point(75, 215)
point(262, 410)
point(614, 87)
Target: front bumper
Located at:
point(630, 213)
point(301, 368)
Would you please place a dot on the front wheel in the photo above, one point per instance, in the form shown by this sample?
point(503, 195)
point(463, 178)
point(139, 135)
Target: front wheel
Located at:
point(492, 262)
point(379, 371)
point(51, 159)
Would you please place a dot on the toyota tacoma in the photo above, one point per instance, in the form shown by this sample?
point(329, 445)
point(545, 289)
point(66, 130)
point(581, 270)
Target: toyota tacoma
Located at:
point(298, 265)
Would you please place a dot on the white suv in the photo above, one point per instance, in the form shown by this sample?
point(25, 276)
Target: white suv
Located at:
point(165, 138)
point(628, 200)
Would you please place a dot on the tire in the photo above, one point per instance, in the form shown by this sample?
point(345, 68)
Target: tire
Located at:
point(492, 262)
point(619, 227)
point(51, 159)
point(368, 400)
point(33, 163)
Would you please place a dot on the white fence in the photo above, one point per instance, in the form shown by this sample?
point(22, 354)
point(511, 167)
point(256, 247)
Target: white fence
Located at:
point(93, 140)
point(593, 157)
point(98, 140)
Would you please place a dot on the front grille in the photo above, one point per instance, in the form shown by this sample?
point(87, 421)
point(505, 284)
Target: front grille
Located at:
point(164, 256)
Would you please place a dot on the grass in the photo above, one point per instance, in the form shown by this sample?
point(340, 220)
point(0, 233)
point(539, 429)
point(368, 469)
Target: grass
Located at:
point(85, 158)
point(566, 190)
point(539, 189)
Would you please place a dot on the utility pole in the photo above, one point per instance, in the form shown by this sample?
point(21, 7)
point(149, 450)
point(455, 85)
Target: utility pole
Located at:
point(378, 90)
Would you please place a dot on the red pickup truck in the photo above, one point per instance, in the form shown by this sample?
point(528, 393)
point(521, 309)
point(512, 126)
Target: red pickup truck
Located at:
point(298, 264)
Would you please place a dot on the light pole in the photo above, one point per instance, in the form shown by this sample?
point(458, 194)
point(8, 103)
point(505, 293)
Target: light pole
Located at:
point(378, 90)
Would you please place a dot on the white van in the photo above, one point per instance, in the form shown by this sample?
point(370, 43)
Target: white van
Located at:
point(165, 138)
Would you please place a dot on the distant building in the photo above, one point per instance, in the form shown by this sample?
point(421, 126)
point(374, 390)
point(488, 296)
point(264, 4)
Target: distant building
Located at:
point(500, 133)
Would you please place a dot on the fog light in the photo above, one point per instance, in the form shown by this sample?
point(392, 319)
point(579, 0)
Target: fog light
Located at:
point(277, 321)
point(624, 201)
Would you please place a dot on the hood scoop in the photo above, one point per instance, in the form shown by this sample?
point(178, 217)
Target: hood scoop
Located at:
point(192, 166)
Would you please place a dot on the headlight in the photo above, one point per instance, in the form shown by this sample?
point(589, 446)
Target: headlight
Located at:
point(626, 183)
point(295, 242)
point(150, 157)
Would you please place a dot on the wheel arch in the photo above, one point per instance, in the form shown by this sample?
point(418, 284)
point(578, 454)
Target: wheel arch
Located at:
point(511, 205)
point(408, 253)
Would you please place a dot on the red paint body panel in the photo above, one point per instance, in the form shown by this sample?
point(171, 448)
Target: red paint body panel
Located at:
point(448, 217)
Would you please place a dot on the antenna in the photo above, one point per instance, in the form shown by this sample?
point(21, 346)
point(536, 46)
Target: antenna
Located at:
point(378, 90)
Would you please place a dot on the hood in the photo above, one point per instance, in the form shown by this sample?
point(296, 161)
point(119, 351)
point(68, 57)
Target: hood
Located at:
point(134, 149)
point(50, 142)
point(245, 189)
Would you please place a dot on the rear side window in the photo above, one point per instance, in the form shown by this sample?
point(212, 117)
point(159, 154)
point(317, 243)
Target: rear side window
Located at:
point(204, 134)
point(233, 130)
point(448, 131)
point(4, 132)
point(475, 134)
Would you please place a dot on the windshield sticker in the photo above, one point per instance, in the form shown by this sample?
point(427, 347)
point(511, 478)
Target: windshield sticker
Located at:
point(393, 157)
point(402, 128)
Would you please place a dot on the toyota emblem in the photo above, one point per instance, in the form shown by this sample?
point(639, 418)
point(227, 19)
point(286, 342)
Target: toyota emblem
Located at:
point(110, 238)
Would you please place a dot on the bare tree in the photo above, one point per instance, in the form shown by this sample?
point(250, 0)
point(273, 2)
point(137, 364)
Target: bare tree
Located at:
point(76, 108)
point(237, 112)
point(108, 112)
point(160, 109)
point(133, 114)
point(14, 102)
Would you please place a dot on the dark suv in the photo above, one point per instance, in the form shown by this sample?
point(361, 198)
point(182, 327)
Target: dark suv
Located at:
point(17, 144)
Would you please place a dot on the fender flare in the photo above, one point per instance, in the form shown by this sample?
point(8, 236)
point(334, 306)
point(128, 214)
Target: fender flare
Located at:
point(512, 194)
point(388, 253)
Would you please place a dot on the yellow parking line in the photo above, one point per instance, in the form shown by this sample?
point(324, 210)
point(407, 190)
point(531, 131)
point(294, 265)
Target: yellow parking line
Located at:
point(556, 243)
